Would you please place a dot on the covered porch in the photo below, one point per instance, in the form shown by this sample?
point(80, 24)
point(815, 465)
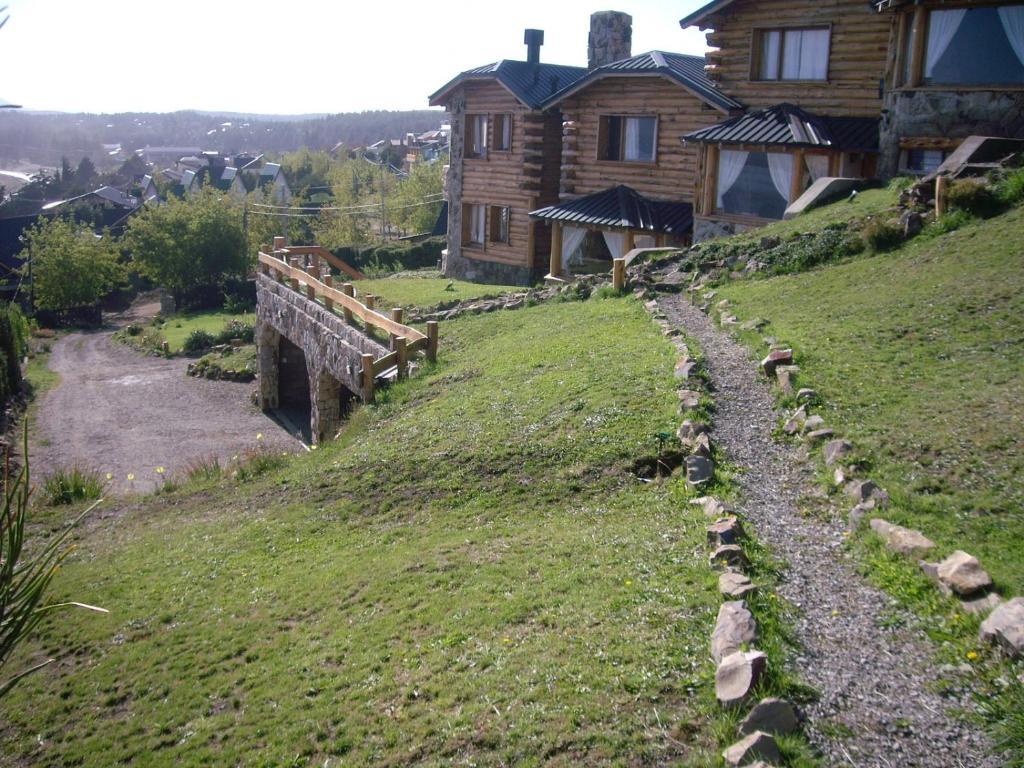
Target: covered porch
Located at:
point(588, 233)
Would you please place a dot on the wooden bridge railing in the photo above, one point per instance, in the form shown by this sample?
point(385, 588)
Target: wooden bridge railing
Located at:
point(306, 271)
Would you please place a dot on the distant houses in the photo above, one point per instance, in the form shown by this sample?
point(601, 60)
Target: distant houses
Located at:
point(556, 169)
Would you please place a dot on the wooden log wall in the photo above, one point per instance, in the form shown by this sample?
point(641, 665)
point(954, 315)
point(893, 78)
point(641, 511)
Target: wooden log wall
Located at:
point(857, 60)
point(672, 176)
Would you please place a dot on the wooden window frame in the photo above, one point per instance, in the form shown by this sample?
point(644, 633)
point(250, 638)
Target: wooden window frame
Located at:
point(471, 133)
point(467, 226)
point(494, 217)
point(492, 122)
point(755, 52)
point(602, 138)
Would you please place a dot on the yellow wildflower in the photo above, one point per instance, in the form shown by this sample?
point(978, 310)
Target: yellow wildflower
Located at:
point(131, 476)
point(972, 655)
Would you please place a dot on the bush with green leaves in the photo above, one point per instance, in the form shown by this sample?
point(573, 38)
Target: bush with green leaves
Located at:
point(69, 266)
point(882, 234)
point(975, 196)
point(198, 340)
point(235, 329)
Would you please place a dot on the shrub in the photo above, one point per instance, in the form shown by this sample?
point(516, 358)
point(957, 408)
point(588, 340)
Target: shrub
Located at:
point(67, 486)
point(235, 329)
point(258, 462)
point(237, 304)
point(1011, 189)
point(198, 340)
point(882, 235)
point(393, 257)
point(949, 222)
point(803, 253)
point(204, 469)
point(974, 196)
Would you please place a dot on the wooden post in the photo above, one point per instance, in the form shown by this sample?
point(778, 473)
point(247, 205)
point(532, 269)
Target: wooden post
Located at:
point(348, 290)
point(329, 282)
point(370, 301)
point(279, 244)
point(796, 188)
point(917, 55)
point(618, 274)
point(630, 241)
point(403, 356)
point(313, 272)
point(294, 265)
point(396, 314)
point(556, 250)
point(835, 164)
point(367, 376)
point(941, 183)
point(711, 180)
point(432, 327)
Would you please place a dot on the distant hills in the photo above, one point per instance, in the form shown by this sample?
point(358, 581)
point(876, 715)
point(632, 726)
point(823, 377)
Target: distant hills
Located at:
point(44, 137)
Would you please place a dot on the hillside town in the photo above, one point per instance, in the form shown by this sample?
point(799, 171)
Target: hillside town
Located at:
point(654, 408)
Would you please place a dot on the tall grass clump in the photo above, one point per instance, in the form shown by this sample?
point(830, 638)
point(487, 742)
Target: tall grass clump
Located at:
point(198, 340)
point(67, 486)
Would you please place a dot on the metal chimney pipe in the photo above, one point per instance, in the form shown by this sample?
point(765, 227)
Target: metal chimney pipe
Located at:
point(534, 39)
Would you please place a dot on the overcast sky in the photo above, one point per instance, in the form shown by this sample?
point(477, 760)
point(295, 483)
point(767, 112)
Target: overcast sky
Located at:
point(288, 57)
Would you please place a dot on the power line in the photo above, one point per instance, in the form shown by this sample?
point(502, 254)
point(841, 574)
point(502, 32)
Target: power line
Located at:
point(433, 198)
point(313, 215)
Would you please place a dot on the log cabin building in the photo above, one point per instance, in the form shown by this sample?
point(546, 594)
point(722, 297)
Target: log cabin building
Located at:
point(811, 76)
point(626, 179)
point(506, 152)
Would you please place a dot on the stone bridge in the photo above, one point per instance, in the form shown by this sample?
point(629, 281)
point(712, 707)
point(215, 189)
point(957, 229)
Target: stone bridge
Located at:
point(310, 356)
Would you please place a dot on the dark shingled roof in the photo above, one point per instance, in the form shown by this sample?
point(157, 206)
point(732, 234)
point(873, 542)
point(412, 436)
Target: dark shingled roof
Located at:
point(622, 208)
point(703, 12)
point(532, 84)
point(688, 71)
point(788, 125)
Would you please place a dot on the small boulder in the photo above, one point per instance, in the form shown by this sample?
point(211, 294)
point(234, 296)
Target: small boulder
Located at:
point(912, 223)
point(689, 430)
point(720, 305)
point(859, 512)
point(699, 469)
point(905, 541)
point(771, 715)
point(981, 606)
point(862, 490)
point(689, 398)
point(795, 423)
point(753, 325)
point(963, 574)
point(776, 358)
point(734, 628)
point(1005, 626)
point(817, 435)
point(715, 508)
point(839, 477)
point(735, 585)
point(806, 395)
point(757, 745)
point(726, 530)
point(737, 676)
point(729, 556)
point(836, 450)
point(812, 423)
point(701, 446)
point(785, 381)
point(685, 368)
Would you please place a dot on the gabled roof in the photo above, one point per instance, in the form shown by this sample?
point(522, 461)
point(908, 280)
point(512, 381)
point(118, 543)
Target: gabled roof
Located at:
point(226, 178)
point(621, 207)
point(703, 12)
point(532, 84)
point(788, 125)
point(687, 71)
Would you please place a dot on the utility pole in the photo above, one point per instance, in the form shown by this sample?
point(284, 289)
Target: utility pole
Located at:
point(382, 209)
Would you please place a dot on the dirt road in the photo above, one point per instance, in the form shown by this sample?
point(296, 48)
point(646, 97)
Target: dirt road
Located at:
point(119, 412)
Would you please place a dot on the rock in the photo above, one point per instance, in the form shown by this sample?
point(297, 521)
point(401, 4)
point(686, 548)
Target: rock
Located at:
point(689, 398)
point(729, 320)
point(839, 476)
point(715, 508)
point(905, 541)
point(699, 469)
point(689, 430)
point(793, 370)
point(771, 715)
point(753, 325)
point(758, 744)
point(775, 358)
point(859, 512)
point(736, 585)
point(963, 574)
point(685, 368)
point(912, 223)
point(862, 490)
point(817, 435)
point(795, 423)
point(737, 676)
point(730, 556)
point(720, 305)
point(734, 628)
point(1005, 626)
point(813, 423)
point(701, 446)
point(726, 530)
point(806, 395)
point(835, 450)
point(981, 606)
point(784, 380)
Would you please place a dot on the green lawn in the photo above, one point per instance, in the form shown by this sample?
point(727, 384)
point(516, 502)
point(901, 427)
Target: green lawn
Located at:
point(919, 356)
point(177, 328)
point(470, 575)
point(408, 291)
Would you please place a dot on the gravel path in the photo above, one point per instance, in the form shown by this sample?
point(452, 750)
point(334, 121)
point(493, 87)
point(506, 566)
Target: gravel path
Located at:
point(877, 704)
point(122, 412)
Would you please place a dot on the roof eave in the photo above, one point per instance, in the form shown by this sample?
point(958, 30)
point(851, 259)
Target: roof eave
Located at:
point(703, 12)
point(664, 72)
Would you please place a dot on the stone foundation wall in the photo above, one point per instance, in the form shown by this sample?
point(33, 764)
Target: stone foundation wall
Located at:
point(946, 114)
point(476, 271)
point(706, 229)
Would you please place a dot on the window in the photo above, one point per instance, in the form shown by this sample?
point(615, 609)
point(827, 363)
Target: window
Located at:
point(975, 46)
point(922, 161)
point(754, 183)
point(502, 133)
point(628, 139)
point(499, 224)
point(792, 54)
point(476, 135)
point(473, 224)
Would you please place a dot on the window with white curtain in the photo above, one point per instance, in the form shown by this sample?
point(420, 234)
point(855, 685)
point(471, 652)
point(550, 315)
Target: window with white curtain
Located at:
point(474, 223)
point(502, 132)
point(754, 183)
point(975, 46)
point(628, 139)
point(476, 135)
point(792, 54)
point(921, 161)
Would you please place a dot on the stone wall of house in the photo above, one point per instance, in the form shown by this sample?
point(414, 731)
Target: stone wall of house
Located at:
point(480, 271)
point(453, 185)
point(611, 38)
point(706, 229)
point(946, 114)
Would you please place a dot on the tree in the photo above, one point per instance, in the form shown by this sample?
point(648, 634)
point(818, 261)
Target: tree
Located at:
point(408, 208)
point(191, 243)
point(70, 267)
point(85, 174)
point(348, 226)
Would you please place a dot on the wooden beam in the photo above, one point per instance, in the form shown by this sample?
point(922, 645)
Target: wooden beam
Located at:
point(556, 249)
point(432, 329)
point(796, 187)
point(348, 290)
point(329, 282)
point(618, 274)
point(941, 201)
point(917, 54)
point(403, 357)
point(711, 180)
point(396, 315)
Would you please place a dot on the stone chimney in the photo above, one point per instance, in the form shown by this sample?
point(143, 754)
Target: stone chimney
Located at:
point(611, 38)
point(534, 39)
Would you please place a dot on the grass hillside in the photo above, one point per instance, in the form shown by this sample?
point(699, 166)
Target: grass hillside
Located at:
point(919, 357)
point(470, 575)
